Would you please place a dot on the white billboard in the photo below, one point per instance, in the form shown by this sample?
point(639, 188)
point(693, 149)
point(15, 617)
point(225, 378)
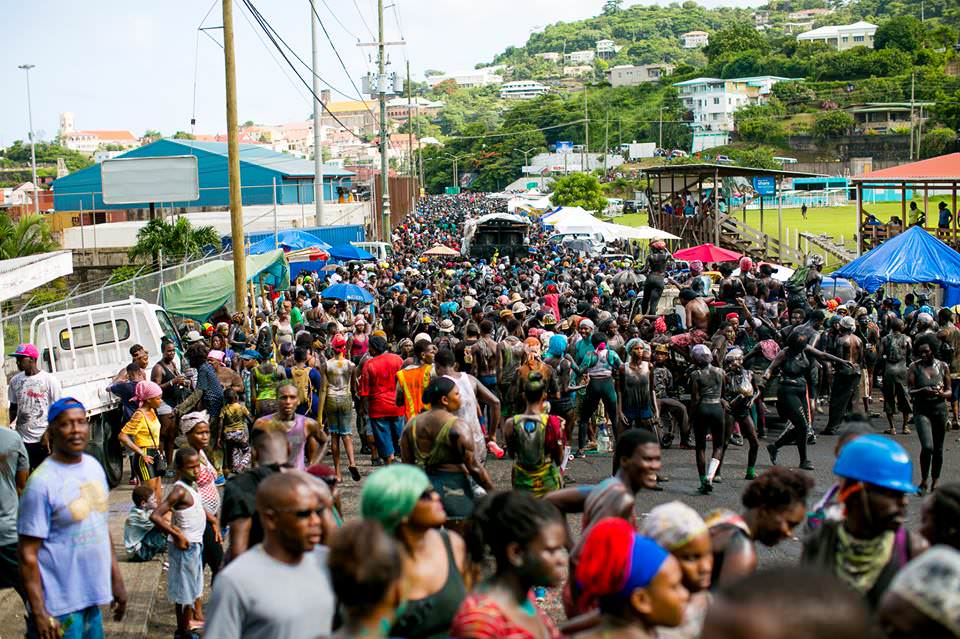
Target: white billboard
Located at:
point(150, 179)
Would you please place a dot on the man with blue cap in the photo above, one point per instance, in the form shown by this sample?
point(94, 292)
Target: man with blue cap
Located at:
point(871, 544)
point(67, 560)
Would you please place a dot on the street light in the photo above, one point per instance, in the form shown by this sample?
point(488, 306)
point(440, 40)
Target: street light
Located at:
point(33, 150)
point(455, 159)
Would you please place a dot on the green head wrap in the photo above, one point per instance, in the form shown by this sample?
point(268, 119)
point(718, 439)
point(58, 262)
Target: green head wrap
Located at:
point(390, 494)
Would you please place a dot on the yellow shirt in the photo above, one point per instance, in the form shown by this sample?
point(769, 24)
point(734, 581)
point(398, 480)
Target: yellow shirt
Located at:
point(143, 428)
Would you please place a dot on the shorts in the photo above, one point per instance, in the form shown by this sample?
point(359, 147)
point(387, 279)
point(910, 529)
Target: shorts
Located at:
point(336, 415)
point(185, 574)
point(10, 568)
point(386, 434)
point(895, 396)
point(456, 493)
point(145, 471)
point(164, 409)
point(490, 381)
point(82, 624)
point(954, 389)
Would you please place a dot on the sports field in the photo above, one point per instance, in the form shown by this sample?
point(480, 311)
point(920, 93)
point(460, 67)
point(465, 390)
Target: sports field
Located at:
point(834, 221)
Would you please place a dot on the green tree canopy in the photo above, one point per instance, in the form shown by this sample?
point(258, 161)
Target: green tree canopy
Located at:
point(736, 39)
point(579, 189)
point(901, 32)
point(177, 241)
point(29, 235)
point(832, 124)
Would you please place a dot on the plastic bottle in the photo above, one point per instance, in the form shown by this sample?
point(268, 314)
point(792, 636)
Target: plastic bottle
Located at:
point(603, 440)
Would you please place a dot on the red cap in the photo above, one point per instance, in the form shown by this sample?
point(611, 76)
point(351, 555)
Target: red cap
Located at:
point(731, 316)
point(26, 350)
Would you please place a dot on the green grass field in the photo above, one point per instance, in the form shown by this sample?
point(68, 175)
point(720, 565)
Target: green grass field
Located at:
point(834, 221)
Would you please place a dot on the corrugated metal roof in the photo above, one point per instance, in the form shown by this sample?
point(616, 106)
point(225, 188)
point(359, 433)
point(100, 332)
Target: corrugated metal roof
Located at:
point(289, 165)
point(945, 167)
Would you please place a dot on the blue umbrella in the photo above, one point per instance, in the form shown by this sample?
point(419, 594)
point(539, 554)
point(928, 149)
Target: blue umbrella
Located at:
point(347, 292)
point(348, 252)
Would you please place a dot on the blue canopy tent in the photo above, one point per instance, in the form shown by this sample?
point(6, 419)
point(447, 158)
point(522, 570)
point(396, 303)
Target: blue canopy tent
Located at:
point(288, 240)
point(912, 257)
point(349, 252)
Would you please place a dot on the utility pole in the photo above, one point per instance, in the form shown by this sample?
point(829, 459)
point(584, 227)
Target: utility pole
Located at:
point(585, 157)
point(606, 142)
point(913, 80)
point(660, 143)
point(410, 166)
point(33, 150)
point(317, 113)
point(382, 94)
point(233, 162)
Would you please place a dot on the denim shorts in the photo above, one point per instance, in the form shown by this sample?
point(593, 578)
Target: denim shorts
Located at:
point(82, 624)
point(185, 574)
point(386, 431)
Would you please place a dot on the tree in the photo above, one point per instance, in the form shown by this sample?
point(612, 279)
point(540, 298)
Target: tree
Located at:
point(735, 40)
point(29, 235)
point(152, 134)
point(247, 123)
point(177, 241)
point(760, 157)
point(47, 153)
point(900, 32)
point(611, 7)
point(937, 142)
point(831, 124)
point(579, 189)
point(794, 96)
point(183, 135)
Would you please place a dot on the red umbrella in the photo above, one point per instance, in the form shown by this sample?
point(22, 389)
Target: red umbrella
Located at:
point(707, 253)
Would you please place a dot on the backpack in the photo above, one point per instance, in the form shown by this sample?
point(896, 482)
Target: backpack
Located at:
point(301, 379)
point(530, 433)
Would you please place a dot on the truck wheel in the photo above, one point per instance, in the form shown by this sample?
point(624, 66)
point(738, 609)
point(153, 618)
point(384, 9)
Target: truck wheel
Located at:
point(106, 449)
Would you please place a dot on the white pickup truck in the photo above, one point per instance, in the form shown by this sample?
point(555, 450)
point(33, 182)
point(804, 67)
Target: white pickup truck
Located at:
point(86, 347)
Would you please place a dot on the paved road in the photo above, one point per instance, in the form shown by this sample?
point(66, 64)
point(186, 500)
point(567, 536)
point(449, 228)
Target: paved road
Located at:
point(150, 615)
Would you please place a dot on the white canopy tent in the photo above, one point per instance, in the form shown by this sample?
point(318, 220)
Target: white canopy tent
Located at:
point(574, 219)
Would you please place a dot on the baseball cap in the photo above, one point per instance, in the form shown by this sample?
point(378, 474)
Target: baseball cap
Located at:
point(194, 336)
point(26, 350)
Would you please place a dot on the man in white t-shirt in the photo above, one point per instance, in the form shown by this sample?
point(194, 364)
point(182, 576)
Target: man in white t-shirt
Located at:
point(31, 391)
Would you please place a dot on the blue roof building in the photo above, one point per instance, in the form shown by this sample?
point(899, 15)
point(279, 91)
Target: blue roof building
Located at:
point(259, 167)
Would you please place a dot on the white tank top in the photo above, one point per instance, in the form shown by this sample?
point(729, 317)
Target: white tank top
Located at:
point(469, 415)
point(191, 520)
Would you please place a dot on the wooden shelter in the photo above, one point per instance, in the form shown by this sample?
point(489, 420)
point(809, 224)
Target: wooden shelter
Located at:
point(934, 174)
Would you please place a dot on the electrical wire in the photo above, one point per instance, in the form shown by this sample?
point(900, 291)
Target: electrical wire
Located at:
point(342, 26)
point(364, 20)
point(271, 54)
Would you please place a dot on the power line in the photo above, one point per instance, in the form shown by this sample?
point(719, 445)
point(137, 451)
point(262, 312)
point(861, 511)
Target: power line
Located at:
point(364, 20)
point(267, 30)
point(508, 134)
point(342, 26)
point(271, 54)
point(342, 65)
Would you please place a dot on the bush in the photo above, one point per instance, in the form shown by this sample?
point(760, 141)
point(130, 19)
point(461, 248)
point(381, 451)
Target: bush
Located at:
point(579, 189)
point(937, 142)
point(761, 129)
point(831, 124)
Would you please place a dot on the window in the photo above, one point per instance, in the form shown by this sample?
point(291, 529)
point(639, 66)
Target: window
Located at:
point(716, 100)
point(845, 38)
point(857, 38)
point(103, 331)
point(168, 330)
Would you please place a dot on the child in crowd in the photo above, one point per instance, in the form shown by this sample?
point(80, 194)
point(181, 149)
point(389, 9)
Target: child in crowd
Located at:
point(236, 420)
point(185, 551)
point(142, 539)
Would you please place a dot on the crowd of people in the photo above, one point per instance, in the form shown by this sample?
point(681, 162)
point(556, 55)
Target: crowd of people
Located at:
point(546, 359)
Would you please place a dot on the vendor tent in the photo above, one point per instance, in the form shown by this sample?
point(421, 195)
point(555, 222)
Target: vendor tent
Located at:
point(912, 257)
point(288, 240)
point(574, 219)
point(442, 251)
point(350, 253)
point(208, 287)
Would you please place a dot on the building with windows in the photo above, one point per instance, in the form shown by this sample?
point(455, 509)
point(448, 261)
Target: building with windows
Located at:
point(607, 49)
point(627, 75)
point(579, 57)
point(398, 107)
point(695, 39)
point(478, 78)
point(713, 101)
point(523, 90)
point(551, 56)
point(90, 142)
point(842, 37)
point(884, 117)
point(808, 14)
point(577, 71)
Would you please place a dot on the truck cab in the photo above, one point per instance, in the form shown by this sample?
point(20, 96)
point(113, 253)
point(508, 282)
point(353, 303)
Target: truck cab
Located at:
point(84, 348)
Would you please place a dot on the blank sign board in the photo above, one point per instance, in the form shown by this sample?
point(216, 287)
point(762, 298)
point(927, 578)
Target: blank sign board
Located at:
point(145, 180)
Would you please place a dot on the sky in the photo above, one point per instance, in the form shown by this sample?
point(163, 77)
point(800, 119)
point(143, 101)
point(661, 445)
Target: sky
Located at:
point(145, 65)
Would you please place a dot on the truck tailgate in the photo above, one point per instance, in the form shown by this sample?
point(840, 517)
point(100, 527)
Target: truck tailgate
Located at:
point(89, 386)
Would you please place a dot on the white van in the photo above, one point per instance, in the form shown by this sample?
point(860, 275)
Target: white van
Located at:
point(380, 250)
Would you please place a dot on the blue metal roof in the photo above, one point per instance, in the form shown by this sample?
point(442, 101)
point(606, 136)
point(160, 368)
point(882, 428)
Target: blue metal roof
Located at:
point(284, 163)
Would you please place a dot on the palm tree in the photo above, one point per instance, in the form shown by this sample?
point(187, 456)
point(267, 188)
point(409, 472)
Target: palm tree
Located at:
point(180, 240)
point(27, 236)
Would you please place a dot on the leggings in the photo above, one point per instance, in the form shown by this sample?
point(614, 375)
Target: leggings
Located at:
point(708, 418)
point(678, 415)
point(652, 290)
point(749, 432)
point(793, 406)
point(930, 420)
point(598, 390)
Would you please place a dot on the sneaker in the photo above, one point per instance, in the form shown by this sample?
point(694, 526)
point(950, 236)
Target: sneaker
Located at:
point(220, 480)
point(772, 449)
point(806, 465)
point(736, 440)
point(811, 440)
point(750, 474)
point(717, 479)
point(705, 488)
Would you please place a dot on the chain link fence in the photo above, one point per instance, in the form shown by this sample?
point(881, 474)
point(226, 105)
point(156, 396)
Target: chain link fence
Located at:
point(145, 285)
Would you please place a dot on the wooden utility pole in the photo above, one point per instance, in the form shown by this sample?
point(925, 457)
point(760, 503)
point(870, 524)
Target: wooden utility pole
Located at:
point(318, 185)
point(606, 142)
point(585, 163)
point(233, 162)
point(410, 165)
point(913, 79)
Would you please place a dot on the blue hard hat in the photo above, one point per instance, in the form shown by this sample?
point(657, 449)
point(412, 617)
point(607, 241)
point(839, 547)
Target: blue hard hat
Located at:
point(876, 460)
